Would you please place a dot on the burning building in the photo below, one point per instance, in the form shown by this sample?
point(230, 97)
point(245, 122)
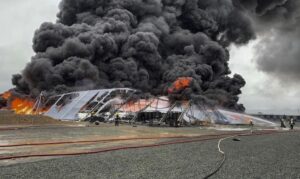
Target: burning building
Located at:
point(144, 45)
point(177, 49)
point(83, 104)
point(102, 105)
point(20, 105)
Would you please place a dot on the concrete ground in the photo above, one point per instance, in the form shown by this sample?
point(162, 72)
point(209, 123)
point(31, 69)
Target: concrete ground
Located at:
point(264, 156)
point(46, 134)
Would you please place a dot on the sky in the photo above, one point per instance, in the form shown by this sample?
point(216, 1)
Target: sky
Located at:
point(20, 18)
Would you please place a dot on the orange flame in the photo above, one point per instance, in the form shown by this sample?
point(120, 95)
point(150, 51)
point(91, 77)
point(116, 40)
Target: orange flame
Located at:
point(180, 84)
point(20, 105)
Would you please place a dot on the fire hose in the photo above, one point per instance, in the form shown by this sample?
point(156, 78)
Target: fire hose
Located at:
point(108, 140)
point(88, 141)
point(182, 141)
point(219, 166)
point(223, 157)
point(107, 149)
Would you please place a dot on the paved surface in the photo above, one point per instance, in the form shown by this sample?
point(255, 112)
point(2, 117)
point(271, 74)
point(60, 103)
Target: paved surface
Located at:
point(104, 130)
point(265, 157)
point(269, 156)
point(48, 134)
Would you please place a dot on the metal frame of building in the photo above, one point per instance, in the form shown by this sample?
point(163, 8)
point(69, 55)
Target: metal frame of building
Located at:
point(68, 106)
point(83, 104)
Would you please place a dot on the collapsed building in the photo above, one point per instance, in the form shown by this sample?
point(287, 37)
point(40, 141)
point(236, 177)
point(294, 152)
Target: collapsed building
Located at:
point(103, 104)
point(145, 45)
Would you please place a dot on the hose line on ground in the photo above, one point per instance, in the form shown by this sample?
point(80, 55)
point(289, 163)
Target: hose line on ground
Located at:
point(251, 133)
point(110, 140)
point(223, 155)
point(117, 148)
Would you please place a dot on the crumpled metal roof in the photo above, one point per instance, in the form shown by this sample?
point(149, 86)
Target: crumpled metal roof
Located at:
point(68, 105)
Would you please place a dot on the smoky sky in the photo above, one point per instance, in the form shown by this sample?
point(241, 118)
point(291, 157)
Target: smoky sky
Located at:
point(149, 44)
point(278, 24)
point(18, 21)
point(142, 44)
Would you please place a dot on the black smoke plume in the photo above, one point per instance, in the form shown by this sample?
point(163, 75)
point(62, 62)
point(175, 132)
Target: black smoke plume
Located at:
point(142, 44)
point(3, 102)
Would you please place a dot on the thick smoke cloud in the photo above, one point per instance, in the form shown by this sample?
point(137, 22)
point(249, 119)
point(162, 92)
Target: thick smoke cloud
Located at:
point(3, 102)
point(142, 44)
point(278, 24)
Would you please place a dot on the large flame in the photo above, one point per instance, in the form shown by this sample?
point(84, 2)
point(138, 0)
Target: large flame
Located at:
point(20, 105)
point(180, 84)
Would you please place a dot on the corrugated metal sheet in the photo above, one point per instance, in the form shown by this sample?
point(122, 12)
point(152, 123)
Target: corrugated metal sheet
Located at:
point(70, 110)
point(75, 102)
point(69, 105)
